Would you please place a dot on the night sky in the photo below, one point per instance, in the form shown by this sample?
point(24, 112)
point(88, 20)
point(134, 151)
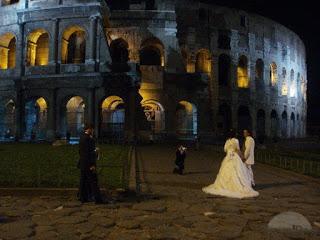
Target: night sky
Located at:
point(302, 18)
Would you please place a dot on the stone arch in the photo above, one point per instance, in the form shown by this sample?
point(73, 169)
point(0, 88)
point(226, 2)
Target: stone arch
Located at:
point(155, 114)
point(186, 120)
point(284, 124)
point(119, 51)
point(7, 51)
point(244, 118)
point(224, 118)
point(284, 86)
point(35, 119)
point(72, 117)
point(259, 77)
point(274, 124)
point(292, 125)
point(298, 126)
point(203, 61)
point(242, 72)
point(8, 2)
point(7, 119)
point(224, 70)
point(273, 74)
point(189, 65)
point(261, 125)
point(73, 45)
point(152, 52)
point(38, 48)
point(293, 84)
point(112, 119)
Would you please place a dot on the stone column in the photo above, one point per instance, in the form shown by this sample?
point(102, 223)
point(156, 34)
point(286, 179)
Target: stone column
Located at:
point(54, 43)
point(130, 115)
point(91, 54)
point(19, 112)
point(253, 114)
point(22, 48)
point(51, 129)
point(214, 92)
point(268, 123)
point(91, 106)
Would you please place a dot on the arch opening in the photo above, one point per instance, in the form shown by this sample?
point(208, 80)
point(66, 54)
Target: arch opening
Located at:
point(242, 72)
point(112, 118)
point(38, 48)
point(7, 51)
point(186, 120)
point(35, 123)
point(73, 46)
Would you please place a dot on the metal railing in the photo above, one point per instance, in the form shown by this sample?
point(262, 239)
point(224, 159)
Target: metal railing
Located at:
point(309, 167)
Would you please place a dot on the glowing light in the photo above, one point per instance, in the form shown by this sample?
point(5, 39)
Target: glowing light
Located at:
point(273, 74)
point(203, 61)
point(111, 103)
point(242, 73)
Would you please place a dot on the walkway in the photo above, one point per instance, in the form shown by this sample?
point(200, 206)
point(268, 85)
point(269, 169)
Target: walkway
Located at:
point(171, 207)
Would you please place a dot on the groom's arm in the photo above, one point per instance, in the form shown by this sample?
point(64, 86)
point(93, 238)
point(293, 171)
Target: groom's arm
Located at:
point(248, 146)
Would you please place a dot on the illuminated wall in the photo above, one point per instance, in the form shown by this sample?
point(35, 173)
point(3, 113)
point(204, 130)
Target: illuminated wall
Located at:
point(7, 51)
point(273, 74)
point(73, 45)
point(203, 61)
point(242, 73)
point(38, 48)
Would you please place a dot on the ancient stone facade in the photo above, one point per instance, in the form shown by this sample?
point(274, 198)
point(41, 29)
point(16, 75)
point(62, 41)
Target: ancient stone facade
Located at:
point(200, 70)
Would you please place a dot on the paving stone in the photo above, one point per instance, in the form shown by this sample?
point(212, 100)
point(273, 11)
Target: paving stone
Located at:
point(86, 227)
point(42, 220)
point(49, 235)
point(17, 230)
point(128, 224)
point(71, 220)
point(40, 229)
point(153, 206)
point(101, 221)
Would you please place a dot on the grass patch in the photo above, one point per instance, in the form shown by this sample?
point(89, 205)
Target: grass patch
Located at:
point(42, 165)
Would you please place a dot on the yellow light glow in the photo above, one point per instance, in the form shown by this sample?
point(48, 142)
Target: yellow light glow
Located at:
point(7, 51)
point(111, 102)
point(187, 105)
point(273, 74)
point(191, 68)
point(41, 102)
point(284, 90)
point(243, 80)
point(203, 61)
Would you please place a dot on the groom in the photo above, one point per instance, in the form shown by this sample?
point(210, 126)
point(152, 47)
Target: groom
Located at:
point(87, 165)
point(249, 153)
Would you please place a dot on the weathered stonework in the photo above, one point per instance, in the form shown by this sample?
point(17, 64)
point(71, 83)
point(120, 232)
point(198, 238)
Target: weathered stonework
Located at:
point(202, 69)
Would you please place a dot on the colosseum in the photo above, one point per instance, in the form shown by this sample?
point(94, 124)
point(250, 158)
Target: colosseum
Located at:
point(166, 69)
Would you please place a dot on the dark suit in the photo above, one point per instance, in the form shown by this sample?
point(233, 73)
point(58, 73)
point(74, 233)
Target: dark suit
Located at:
point(88, 178)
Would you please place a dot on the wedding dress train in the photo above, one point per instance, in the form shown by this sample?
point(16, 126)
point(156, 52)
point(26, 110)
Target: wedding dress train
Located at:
point(233, 179)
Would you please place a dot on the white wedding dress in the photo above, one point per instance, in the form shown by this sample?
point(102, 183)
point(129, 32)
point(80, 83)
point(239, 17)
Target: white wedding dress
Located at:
point(233, 179)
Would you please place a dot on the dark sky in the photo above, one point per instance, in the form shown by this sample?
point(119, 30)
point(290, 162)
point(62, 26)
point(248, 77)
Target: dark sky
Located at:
point(304, 19)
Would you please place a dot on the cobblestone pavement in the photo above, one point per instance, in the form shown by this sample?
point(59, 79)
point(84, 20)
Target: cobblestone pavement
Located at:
point(171, 207)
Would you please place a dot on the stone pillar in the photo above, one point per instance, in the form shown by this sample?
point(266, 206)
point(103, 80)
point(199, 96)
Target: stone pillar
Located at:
point(91, 55)
point(268, 122)
point(22, 48)
point(19, 111)
point(214, 92)
point(54, 44)
point(91, 106)
point(52, 126)
point(253, 113)
point(130, 114)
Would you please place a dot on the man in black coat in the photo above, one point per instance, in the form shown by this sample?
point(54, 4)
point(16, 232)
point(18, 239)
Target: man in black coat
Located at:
point(87, 165)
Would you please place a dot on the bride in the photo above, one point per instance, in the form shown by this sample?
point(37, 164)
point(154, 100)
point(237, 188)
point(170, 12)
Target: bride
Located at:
point(233, 179)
